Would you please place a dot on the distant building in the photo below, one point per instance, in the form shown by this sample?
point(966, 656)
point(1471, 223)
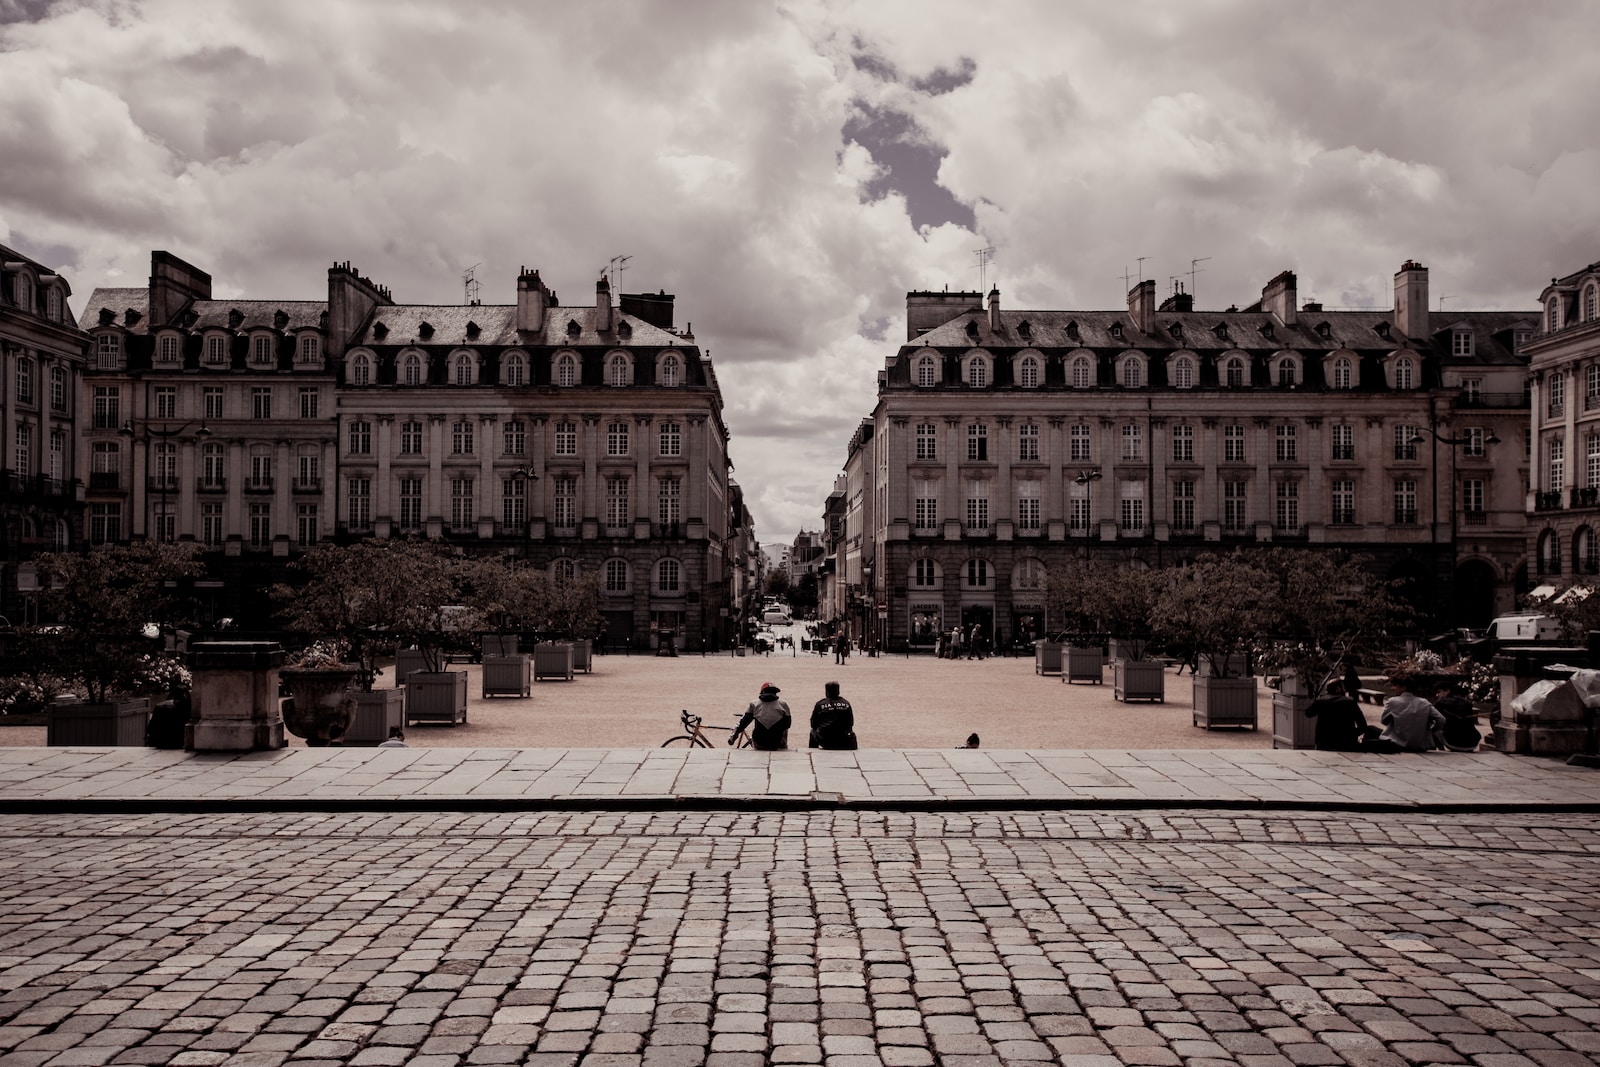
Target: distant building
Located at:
point(42, 354)
point(1006, 442)
point(1563, 502)
point(582, 439)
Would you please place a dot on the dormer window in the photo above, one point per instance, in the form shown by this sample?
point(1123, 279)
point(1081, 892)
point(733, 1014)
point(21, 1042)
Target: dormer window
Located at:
point(1116, 330)
point(1405, 373)
point(1521, 337)
point(1343, 373)
point(310, 348)
point(978, 371)
point(669, 372)
point(52, 303)
point(927, 372)
point(619, 372)
point(566, 370)
point(1591, 301)
point(1028, 372)
point(1324, 329)
point(1082, 372)
point(473, 330)
point(1288, 373)
point(1553, 315)
point(425, 331)
point(514, 369)
point(1221, 330)
point(379, 332)
point(972, 327)
point(1176, 330)
point(624, 330)
point(412, 369)
point(1025, 330)
point(1461, 343)
point(1381, 329)
point(573, 329)
point(1183, 373)
point(1072, 331)
point(1266, 330)
point(1132, 372)
point(280, 319)
point(216, 350)
point(463, 369)
point(168, 349)
point(1234, 373)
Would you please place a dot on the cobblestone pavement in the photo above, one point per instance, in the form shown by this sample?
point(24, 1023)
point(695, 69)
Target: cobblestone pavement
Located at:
point(845, 938)
point(654, 778)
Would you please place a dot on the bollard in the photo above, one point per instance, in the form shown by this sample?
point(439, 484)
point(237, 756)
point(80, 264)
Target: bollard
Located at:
point(235, 697)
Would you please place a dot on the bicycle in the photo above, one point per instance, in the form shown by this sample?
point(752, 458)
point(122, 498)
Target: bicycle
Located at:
point(696, 737)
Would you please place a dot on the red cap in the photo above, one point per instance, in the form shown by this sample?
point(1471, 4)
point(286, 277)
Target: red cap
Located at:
point(768, 685)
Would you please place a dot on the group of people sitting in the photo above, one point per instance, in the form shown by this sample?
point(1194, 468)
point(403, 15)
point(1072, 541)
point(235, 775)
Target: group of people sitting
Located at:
point(1410, 722)
point(833, 721)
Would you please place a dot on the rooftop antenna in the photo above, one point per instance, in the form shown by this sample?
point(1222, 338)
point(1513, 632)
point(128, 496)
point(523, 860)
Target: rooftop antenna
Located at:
point(617, 265)
point(984, 256)
point(1141, 260)
point(1127, 279)
point(1195, 268)
point(1442, 299)
point(469, 282)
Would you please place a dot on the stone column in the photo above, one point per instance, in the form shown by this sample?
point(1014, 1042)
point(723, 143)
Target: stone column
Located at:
point(235, 697)
point(384, 504)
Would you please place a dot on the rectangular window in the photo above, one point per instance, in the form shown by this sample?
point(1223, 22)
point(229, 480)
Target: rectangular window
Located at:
point(977, 442)
point(165, 521)
point(360, 500)
point(1472, 500)
point(411, 438)
point(1474, 441)
point(927, 514)
point(1288, 450)
point(1592, 461)
point(1132, 443)
point(1405, 501)
point(1079, 438)
point(1472, 390)
point(1234, 510)
point(58, 389)
point(261, 350)
point(1461, 343)
point(310, 349)
point(618, 512)
point(1344, 441)
point(1344, 502)
point(617, 439)
point(514, 501)
point(212, 458)
point(566, 439)
point(1405, 445)
point(1027, 513)
point(308, 402)
point(514, 438)
point(462, 511)
point(1558, 394)
point(1028, 443)
point(1233, 444)
point(309, 472)
point(1286, 515)
point(261, 402)
point(1183, 506)
point(168, 349)
point(166, 402)
point(461, 438)
point(260, 525)
point(22, 461)
point(1132, 517)
point(165, 465)
point(107, 411)
point(108, 351)
point(1079, 513)
point(58, 451)
point(305, 525)
point(927, 441)
point(211, 523)
point(668, 499)
point(360, 438)
point(671, 439)
point(261, 471)
point(566, 496)
point(1183, 444)
point(978, 510)
point(216, 350)
point(410, 503)
point(105, 465)
point(24, 381)
point(105, 523)
point(211, 397)
point(1557, 468)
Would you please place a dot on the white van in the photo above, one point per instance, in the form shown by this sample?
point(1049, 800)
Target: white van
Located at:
point(1526, 630)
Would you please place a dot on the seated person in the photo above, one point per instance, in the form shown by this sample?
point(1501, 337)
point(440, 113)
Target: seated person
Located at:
point(1340, 725)
point(770, 718)
point(1409, 721)
point(1460, 733)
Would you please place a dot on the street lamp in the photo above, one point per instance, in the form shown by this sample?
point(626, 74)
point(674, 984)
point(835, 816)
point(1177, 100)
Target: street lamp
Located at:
point(1086, 476)
point(163, 436)
point(526, 476)
point(1488, 438)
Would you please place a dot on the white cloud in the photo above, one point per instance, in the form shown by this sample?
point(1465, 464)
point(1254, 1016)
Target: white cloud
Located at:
point(264, 141)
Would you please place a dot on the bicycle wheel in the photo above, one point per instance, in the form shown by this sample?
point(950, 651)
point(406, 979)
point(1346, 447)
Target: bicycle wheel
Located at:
point(685, 741)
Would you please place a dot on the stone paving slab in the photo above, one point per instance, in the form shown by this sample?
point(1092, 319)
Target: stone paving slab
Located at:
point(115, 778)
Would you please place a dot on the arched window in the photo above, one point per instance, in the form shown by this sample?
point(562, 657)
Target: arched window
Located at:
point(463, 369)
point(566, 370)
point(361, 370)
point(53, 303)
point(616, 576)
point(24, 291)
point(216, 350)
point(1233, 372)
point(261, 349)
point(1082, 373)
point(168, 348)
point(1549, 553)
point(1343, 374)
point(515, 369)
point(1591, 302)
point(1183, 373)
point(669, 576)
point(927, 371)
point(310, 348)
point(413, 369)
point(976, 574)
point(670, 372)
point(1585, 551)
point(1405, 373)
point(1028, 574)
point(1028, 373)
point(977, 372)
point(1288, 373)
point(564, 570)
point(1553, 315)
point(1132, 372)
point(925, 574)
point(618, 371)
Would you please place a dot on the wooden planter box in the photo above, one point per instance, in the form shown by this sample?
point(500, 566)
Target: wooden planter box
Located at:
point(1139, 679)
point(1234, 666)
point(507, 676)
point(1082, 664)
point(407, 660)
point(1224, 702)
point(1291, 726)
point(119, 723)
point(552, 661)
point(583, 656)
point(376, 714)
point(499, 645)
point(436, 696)
point(1047, 657)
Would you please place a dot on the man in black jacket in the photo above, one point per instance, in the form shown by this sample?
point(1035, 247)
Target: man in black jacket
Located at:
point(833, 721)
point(770, 718)
point(1340, 724)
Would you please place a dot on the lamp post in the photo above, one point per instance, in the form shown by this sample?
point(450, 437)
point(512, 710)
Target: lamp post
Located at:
point(526, 476)
point(148, 433)
point(1453, 443)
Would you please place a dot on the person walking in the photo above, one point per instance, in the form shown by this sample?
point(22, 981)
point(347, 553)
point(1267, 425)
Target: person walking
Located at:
point(833, 721)
point(841, 646)
point(768, 720)
point(955, 642)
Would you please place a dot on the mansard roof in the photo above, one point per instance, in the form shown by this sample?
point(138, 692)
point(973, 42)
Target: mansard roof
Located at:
point(497, 326)
point(203, 314)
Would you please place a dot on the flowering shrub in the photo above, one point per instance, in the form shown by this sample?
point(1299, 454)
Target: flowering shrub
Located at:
point(22, 695)
point(160, 672)
point(328, 652)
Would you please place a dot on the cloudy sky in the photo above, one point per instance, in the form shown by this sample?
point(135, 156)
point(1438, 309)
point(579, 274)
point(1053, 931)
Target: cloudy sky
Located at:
point(790, 169)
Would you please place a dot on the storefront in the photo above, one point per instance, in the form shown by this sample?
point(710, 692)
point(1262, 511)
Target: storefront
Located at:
point(926, 622)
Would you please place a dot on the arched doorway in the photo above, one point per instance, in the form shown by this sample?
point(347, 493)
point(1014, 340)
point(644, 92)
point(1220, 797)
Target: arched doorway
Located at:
point(1474, 594)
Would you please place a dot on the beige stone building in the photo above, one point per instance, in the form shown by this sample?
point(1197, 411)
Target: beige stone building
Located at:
point(1006, 441)
point(582, 439)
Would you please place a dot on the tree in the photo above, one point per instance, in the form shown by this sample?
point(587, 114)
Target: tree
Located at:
point(104, 602)
point(1215, 606)
point(777, 583)
point(574, 605)
point(1069, 595)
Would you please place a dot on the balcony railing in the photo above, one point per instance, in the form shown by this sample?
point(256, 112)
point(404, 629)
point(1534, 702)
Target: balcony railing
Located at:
point(258, 485)
point(308, 485)
point(667, 529)
point(1475, 518)
point(1405, 516)
point(1547, 501)
point(1556, 409)
point(1343, 517)
point(213, 485)
point(1586, 497)
point(39, 485)
point(1591, 402)
point(105, 479)
point(158, 483)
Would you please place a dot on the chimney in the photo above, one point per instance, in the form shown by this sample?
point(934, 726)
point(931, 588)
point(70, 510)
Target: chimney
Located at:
point(351, 299)
point(994, 310)
point(654, 308)
point(1411, 300)
point(530, 302)
point(174, 285)
point(1142, 305)
point(926, 309)
point(602, 305)
point(1279, 296)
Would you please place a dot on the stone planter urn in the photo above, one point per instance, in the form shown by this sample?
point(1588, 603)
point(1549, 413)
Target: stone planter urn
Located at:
point(322, 707)
point(1139, 679)
point(1224, 702)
